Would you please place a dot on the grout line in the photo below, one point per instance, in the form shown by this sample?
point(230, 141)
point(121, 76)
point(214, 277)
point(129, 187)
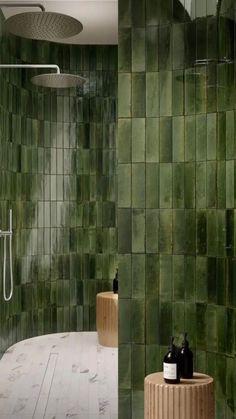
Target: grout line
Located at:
point(42, 402)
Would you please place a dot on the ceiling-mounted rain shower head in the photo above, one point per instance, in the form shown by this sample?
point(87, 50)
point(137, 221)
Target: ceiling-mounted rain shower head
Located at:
point(56, 80)
point(49, 26)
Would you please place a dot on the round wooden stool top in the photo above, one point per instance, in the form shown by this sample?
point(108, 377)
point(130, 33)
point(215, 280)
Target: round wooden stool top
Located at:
point(190, 399)
point(107, 318)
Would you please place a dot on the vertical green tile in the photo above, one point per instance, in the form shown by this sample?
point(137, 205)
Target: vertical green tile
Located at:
point(124, 140)
point(138, 276)
point(178, 139)
point(165, 93)
point(152, 185)
point(152, 140)
point(138, 185)
point(124, 185)
point(152, 94)
point(138, 231)
point(138, 97)
point(190, 138)
point(165, 231)
point(152, 231)
point(124, 93)
point(211, 136)
point(178, 185)
point(165, 185)
point(151, 48)
point(166, 135)
point(138, 49)
point(138, 140)
point(124, 50)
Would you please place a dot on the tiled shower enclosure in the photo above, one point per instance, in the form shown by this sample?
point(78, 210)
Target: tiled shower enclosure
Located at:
point(58, 174)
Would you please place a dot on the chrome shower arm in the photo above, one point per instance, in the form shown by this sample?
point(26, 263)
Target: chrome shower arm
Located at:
point(54, 66)
point(13, 4)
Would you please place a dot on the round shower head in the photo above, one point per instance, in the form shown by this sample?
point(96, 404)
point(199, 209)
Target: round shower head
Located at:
point(58, 80)
point(49, 26)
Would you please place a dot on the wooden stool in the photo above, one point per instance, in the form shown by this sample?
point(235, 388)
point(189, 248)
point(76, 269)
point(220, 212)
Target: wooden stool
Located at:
point(107, 318)
point(190, 399)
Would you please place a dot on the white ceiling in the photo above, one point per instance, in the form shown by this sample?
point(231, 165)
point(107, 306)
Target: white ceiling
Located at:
point(99, 18)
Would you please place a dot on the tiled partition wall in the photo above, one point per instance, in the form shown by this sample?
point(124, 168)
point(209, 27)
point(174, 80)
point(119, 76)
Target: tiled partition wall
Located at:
point(57, 156)
point(176, 194)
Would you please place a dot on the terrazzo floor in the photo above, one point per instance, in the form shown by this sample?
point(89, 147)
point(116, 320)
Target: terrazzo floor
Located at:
point(58, 376)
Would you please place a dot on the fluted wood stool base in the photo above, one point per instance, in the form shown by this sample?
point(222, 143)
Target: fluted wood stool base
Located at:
point(191, 399)
point(107, 318)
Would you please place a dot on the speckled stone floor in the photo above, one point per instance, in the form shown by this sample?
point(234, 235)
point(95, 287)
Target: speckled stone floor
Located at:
point(57, 376)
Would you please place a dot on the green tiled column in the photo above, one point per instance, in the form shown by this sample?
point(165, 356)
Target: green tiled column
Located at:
point(176, 193)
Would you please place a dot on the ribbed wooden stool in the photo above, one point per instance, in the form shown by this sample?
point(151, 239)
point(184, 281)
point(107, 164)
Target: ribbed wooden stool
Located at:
point(107, 318)
point(191, 399)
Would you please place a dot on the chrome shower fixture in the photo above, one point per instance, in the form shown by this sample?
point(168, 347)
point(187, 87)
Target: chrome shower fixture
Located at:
point(56, 80)
point(5, 234)
point(46, 26)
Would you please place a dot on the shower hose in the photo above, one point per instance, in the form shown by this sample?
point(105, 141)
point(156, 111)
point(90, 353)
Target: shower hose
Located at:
point(7, 234)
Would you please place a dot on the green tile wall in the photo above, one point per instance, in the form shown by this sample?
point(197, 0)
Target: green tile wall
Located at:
point(176, 194)
point(58, 174)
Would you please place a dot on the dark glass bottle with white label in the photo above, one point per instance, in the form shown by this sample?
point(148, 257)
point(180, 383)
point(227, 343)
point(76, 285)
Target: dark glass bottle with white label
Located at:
point(171, 372)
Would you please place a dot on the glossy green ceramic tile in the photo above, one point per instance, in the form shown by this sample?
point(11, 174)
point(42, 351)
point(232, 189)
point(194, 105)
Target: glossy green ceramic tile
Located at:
point(138, 231)
point(201, 137)
point(178, 139)
point(166, 272)
point(137, 321)
point(152, 12)
point(152, 185)
point(124, 185)
point(138, 140)
point(124, 140)
point(165, 185)
point(152, 94)
point(152, 34)
point(165, 78)
point(124, 51)
point(138, 276)
point(124, 359)
point(178, 185)
point(165, 231)
point(165, 47)
point(166, 140)
point(152, 231)
point(138, 185)
point(179, 234)
point(152, 140)
point(125, 321)
point(189, 185)
point(178, 92)
point(124, 93)
point(138, 49)
point(138, 96)
point(178, 278)
point(190, 138)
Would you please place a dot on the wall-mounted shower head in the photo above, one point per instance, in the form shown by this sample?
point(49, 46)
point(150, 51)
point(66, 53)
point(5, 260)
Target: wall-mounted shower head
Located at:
point(56, 80)
point(49, 26)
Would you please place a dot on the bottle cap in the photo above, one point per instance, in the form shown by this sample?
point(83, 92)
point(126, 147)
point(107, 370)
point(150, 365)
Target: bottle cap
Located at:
point(185, 342)
point(172, 346)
